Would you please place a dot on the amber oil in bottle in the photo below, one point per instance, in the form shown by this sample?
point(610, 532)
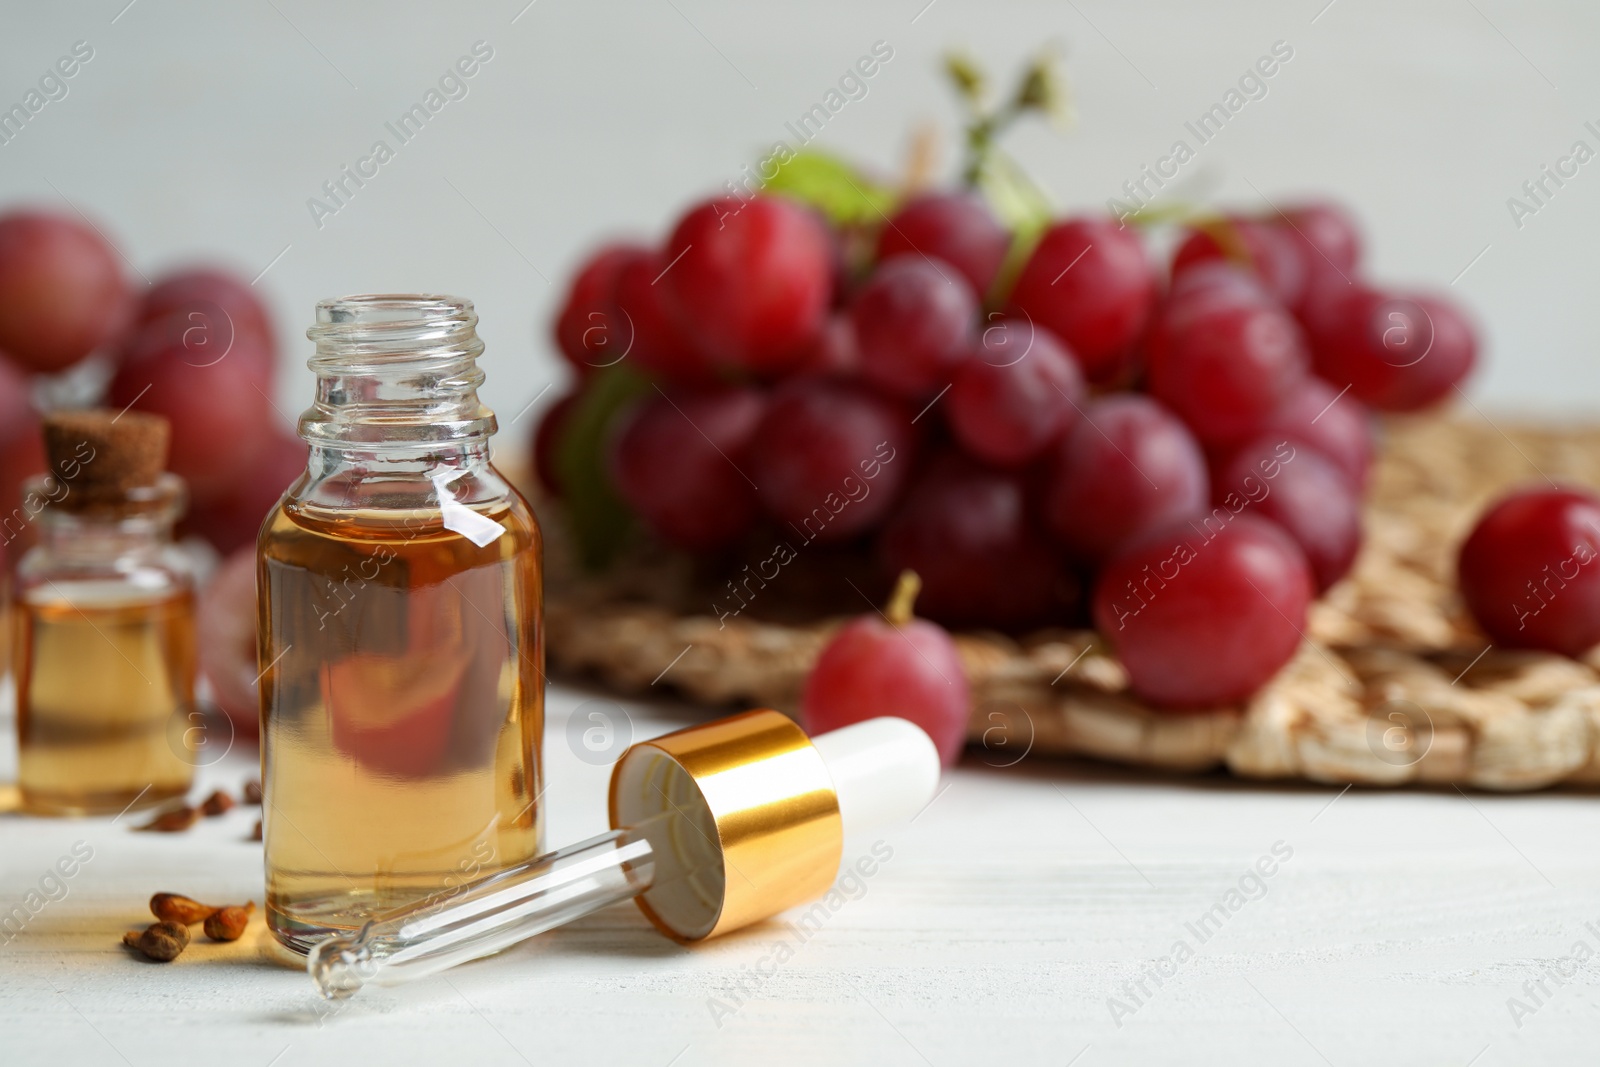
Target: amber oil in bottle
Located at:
point(401, 642)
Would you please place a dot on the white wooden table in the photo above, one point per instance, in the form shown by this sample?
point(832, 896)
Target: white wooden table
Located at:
point(1012, 912)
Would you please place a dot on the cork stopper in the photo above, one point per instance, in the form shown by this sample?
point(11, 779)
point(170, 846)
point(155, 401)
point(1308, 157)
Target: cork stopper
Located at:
point(105, 458)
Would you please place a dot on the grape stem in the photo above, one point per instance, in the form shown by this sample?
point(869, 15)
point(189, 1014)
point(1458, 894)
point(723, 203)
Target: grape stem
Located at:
point(903, 599)
point(1040, 89)
point(981, 136)
point(1227, 237)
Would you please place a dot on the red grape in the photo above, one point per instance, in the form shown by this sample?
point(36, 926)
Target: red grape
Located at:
point(220, 414)
point(964, 530)
point(1090, 283)
point(232, 520)
point(62, 290)
point(16, 395)
point(1220, 279)
point(1202, 290)
point(1127, 467)
point(588, 330)
point(913, 321)
point(1302, 491)
point(1201, 618)
point(833, 354)
point(750, 280)
point(1396, 352)
point(829, 458)
point(202, 337)
point(182, 290)
point(1339, 427)
point(651, 336)
point(1325, 235)
point(1530, 570)
point(1270, 252)
point(957, 228)
point(898, 666)
point(547, 444)
point(210, 307)
point(847, 246)
point(1018, 392)
point(21, 453)
point(21, 458)
point(1323, 311)
point(1226, 370)
point(1330, 246)
point(226, 616)
point(676, 460)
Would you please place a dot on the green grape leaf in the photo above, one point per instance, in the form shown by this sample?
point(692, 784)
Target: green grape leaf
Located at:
point(598, 520)
point(831, 185)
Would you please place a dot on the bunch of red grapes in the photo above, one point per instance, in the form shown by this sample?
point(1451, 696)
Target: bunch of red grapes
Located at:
point(195, 346)
point(1190, 450)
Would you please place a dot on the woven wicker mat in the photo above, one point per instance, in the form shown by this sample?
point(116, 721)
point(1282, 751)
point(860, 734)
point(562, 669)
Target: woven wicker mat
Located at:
point(1393, 684)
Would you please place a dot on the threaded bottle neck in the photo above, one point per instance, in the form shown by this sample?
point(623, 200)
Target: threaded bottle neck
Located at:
point(396, 371)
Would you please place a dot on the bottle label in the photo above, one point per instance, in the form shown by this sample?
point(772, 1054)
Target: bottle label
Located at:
point(458, 518)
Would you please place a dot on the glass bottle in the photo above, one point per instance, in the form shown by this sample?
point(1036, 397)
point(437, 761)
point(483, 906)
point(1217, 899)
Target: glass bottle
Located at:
point(401, 638)
point(104, 638)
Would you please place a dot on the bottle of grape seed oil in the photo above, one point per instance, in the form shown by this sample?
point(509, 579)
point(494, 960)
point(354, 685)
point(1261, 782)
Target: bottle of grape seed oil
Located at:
point(401, 639)
point(104, 651)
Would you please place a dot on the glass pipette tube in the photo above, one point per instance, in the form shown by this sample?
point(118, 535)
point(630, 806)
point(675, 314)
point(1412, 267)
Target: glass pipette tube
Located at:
point(483, 917)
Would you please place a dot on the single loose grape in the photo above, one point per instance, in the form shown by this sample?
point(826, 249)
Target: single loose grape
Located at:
point(891, 664)
point(1530, 570)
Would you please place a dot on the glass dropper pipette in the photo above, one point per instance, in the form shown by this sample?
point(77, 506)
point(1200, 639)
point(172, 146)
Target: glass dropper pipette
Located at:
point(715, 827)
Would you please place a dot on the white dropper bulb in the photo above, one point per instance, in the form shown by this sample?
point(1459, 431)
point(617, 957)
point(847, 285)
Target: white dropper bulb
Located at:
point(884, 771)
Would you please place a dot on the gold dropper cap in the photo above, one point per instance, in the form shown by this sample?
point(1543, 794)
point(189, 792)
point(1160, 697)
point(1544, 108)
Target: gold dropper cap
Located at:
point(759, 828)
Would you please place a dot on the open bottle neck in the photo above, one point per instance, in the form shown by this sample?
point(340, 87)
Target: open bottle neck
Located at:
point(397, 381)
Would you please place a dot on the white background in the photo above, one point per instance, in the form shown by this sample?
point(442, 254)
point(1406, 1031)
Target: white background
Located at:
point(201, 129)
